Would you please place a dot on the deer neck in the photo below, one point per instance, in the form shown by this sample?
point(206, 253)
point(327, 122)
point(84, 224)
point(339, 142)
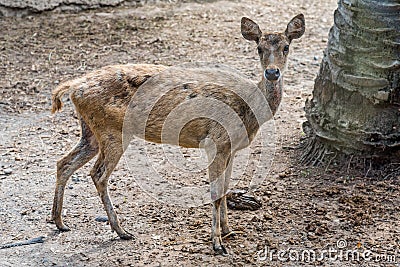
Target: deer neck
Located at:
point(273, 93)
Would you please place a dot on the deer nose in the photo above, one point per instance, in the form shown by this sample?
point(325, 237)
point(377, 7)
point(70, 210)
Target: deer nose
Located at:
point(272, 74)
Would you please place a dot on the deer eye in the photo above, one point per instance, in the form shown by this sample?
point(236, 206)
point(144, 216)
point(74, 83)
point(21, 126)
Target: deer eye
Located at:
point(286, 49)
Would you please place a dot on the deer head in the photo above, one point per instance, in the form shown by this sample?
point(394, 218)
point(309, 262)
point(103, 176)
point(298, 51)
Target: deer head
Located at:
point(273, 47)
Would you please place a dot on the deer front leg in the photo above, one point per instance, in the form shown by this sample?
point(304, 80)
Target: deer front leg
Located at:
point(216, 171)
point(216, 229)
point(224, 215)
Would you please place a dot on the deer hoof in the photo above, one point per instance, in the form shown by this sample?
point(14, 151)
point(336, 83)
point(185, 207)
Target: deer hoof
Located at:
point(63, 228)
point(220, 250)
point(126, 236)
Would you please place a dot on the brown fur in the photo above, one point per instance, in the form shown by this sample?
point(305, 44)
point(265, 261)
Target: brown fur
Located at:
point(130, 99)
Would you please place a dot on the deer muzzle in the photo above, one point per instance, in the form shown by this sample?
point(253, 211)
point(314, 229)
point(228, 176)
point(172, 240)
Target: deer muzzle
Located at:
point(272, 74)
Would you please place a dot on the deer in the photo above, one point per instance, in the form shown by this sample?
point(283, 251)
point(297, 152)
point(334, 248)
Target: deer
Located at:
point(115, 97)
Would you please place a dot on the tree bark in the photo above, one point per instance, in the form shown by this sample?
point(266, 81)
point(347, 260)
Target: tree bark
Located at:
point(355, 107)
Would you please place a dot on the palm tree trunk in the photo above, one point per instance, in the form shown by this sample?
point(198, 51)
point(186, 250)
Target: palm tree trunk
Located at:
point(355, 107)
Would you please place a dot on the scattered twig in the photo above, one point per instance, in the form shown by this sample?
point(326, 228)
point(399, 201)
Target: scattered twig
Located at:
point(330, 161)
point(232, 233)
point(348, 165)
point(32, 241)
point(369, 169)
point(392, 174)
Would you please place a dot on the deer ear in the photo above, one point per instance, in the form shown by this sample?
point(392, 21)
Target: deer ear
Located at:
point(250, 30)
point(296, 27)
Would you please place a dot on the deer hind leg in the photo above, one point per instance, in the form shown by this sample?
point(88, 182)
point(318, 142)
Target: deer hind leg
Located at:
point(110, 153)
point(216, 171)
point(85, 150)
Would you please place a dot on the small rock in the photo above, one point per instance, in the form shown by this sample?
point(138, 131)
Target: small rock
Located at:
point(24, 212)
point(7, 171)
point(156, 237)
point(311, 236)
point(282, 175)
point(101, 219)
point(268, 217)
point(267, 193)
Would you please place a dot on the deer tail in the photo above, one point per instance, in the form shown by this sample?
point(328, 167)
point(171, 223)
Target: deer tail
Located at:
point(58, 93)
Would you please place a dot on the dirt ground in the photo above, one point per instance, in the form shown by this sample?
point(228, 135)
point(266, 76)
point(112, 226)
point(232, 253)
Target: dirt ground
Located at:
point(305, 209)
